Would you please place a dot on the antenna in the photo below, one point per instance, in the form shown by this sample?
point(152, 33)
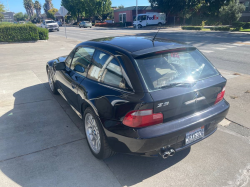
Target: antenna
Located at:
point(155, 37)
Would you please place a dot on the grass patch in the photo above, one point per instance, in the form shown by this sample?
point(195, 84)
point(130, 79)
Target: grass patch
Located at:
point(205, 29)
point(245, 30)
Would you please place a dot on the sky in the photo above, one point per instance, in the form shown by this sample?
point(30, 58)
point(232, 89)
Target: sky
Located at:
point(17, 5)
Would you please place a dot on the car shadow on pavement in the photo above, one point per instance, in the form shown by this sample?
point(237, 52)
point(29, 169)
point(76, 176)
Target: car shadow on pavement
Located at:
point(40, 124)
point(130, 169)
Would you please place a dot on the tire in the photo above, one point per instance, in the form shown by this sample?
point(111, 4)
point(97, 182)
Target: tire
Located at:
point(58, 29)
point(139, 26)
point(90, 27)
point(79, 26)
point(94, 127)
point(51, 82)
point(160, 24)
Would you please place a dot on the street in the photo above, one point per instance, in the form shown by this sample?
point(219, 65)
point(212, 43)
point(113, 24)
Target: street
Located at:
point(226, 51)
point(42, 141)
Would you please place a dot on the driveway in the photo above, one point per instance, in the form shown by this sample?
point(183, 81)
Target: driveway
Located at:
point(42, 141)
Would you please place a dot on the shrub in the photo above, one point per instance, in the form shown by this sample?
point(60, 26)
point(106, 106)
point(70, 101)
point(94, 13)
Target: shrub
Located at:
point(16, 33)
point(43, 33)
point(220, 28)
point(247, 25)
point(191, 28)
point(238, 24)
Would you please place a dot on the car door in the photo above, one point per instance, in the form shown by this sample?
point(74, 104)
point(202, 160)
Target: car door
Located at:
point(143, 20)
point(105, 85)
point(78, 71)
point(63, 78)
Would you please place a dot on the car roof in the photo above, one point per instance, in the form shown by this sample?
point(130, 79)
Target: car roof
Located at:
point(139, 45)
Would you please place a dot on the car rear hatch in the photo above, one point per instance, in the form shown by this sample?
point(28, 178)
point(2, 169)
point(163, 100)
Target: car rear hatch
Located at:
point(181, 82)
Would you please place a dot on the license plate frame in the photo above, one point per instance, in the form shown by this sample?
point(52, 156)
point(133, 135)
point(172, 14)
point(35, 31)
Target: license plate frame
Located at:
point(194, 135)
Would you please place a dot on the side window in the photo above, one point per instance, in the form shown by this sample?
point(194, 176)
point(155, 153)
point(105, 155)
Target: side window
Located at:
point(99, 62)
point(112, 75)
point(82, 59)
point(69, 58)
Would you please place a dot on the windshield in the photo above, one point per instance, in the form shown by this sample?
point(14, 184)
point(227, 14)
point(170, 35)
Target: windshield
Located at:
point(50, 22)
point(174, 67)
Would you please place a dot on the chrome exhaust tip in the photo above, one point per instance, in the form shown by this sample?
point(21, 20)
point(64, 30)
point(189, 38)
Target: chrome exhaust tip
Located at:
point(164, 154)
point(171, 152)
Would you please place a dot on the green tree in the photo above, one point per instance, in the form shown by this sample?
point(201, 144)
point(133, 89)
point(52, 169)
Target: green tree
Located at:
point(232, 12)
point(76, 8)
point(2, 9)
point(121, 6)
point(38, 8)
point(99, 8)
point(51, 13)
point(47, 5)
point(19, 16)
point(29, 7)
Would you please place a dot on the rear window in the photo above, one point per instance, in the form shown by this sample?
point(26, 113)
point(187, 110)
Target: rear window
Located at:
point(173, 67)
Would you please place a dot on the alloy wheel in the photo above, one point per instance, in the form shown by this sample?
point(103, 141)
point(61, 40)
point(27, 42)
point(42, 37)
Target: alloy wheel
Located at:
point(92, 133)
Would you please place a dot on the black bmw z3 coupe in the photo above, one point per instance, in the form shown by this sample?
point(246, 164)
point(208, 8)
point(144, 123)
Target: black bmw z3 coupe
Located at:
point(140, 95)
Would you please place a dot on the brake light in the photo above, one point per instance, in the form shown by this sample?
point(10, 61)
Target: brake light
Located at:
point(220, 96)
point(142, 118)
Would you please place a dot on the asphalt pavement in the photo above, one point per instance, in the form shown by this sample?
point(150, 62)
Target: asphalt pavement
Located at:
point(42, 141)
point(228, 51)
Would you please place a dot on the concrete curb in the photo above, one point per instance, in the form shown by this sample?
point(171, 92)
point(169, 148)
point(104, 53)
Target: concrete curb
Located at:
point(24, 42)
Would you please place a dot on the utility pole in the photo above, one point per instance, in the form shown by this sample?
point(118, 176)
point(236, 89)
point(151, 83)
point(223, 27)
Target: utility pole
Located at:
point(136, 14)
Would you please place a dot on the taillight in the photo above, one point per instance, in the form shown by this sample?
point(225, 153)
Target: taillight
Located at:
point(142, 118)
point(220, 96)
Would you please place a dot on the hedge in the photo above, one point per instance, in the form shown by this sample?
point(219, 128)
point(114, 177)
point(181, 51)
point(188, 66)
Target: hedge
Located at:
point(191, 28)
point(43, 33)
point(220, 28)
point(21, 32)
point(244, 25)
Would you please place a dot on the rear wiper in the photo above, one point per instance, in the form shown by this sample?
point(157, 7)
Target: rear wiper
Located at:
point(178, 84)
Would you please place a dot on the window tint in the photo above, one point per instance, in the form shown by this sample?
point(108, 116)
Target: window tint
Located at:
point(82, 58)
point(96, 68)
point(112, 75)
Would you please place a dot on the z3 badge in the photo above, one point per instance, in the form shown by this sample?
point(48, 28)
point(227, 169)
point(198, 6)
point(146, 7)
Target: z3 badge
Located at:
point(162, 104)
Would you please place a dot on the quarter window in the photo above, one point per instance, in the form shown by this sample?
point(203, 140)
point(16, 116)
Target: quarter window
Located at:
point(82, 59)
point(100, 60)
point(112, 75)
point(106, 69)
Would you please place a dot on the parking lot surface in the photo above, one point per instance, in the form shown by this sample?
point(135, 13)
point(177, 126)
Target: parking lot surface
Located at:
point(42, 141)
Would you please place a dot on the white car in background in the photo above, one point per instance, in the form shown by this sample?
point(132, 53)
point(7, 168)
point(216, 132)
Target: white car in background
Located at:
point(50, 25)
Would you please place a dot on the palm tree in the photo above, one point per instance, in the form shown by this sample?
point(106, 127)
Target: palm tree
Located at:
point(38, 7)
point(47, 5)
point(29, 7)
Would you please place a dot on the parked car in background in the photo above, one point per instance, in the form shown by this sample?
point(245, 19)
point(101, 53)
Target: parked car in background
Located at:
point(59, 23)
point(22, 22)
point(85, 24)
point(140, 95)
point(50, 25)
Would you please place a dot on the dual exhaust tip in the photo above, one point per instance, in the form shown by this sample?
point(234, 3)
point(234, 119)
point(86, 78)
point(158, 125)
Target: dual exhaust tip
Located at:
point(166, 153)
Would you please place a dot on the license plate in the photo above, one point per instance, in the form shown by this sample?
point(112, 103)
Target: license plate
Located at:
point(194, 135)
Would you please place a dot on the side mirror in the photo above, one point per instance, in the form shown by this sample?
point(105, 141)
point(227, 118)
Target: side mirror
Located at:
point(79, 69)
point(60, 66)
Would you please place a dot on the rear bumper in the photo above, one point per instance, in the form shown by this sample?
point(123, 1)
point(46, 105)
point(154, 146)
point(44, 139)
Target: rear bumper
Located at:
point(171, 134)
